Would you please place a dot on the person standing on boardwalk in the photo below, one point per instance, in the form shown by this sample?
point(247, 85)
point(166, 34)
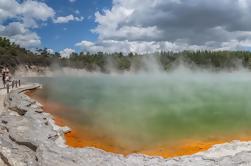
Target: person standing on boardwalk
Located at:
point(3, 76)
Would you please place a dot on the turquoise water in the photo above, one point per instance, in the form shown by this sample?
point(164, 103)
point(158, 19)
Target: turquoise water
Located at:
point(142, 109)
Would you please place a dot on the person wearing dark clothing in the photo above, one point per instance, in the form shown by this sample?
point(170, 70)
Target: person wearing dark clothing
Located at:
point(4, 76)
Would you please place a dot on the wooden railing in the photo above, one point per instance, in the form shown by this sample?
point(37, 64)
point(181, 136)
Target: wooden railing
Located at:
point(12, 85)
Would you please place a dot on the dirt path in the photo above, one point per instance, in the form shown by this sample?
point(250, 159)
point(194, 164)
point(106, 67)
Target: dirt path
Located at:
point(2, 95)
point(3, 92)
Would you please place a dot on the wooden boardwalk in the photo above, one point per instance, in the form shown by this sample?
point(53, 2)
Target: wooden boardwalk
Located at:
point(3, 92)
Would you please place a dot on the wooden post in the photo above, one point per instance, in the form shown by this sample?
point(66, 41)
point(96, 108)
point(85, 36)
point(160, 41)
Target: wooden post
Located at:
point(16, 83)
point(8, 88)
point(19, 82)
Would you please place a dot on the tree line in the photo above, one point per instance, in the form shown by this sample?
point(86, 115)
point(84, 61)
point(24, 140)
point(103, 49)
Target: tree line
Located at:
point(13, 56)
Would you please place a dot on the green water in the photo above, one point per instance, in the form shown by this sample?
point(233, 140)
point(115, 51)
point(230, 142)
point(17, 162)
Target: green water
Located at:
point(143, 109)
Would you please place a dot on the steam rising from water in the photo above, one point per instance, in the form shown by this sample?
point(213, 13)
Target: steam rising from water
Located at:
point(138, 110)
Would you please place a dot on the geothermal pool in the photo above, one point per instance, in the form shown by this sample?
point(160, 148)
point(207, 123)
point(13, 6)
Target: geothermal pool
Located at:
point(158, 114)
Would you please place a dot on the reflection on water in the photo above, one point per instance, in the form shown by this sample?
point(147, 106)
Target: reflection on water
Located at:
point(143, 111)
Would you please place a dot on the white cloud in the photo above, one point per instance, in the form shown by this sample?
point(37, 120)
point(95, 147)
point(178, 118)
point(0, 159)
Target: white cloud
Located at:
point(28, 11)
point(8, 8)
point(110, 20)
point(20, 34)
point(13, 29)
point(66, 52)
point(85, 44)
point(67, 19)
point(36, 10)
point(235, 45)
point(51, 51)
point(26, 14)
point(28, 40)
point(173, 25)
point(149, 47)
point(135, 46)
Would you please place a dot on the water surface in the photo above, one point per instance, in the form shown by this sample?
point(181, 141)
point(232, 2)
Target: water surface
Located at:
point(137, 112)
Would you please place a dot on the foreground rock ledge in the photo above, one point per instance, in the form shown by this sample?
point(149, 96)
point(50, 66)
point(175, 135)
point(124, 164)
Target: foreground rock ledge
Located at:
point(29, 137)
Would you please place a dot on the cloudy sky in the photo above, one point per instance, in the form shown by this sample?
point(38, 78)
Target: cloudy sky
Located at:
point(127, 25)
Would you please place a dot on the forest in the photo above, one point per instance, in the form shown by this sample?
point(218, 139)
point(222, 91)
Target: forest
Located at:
point(12, 55)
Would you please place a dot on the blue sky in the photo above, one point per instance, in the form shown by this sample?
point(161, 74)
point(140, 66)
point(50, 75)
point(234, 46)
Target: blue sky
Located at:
point(70, 33)
point(147, 26)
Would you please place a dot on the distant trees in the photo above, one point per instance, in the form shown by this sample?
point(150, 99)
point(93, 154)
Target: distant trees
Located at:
point(204, 59)
point(13, 55)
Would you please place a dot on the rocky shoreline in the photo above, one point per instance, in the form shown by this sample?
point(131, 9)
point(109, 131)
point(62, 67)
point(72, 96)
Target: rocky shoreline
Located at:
point(29, 137)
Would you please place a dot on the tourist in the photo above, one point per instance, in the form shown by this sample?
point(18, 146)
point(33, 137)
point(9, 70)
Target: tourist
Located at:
point(4, 76)
point(7, 76)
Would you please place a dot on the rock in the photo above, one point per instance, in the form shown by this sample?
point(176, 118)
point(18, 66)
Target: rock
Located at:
point(2, 162)
point(66, 129)
point(13, 154)
point(29, 129)
point(39, 105)
point(4, 122)
point(54, 155)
